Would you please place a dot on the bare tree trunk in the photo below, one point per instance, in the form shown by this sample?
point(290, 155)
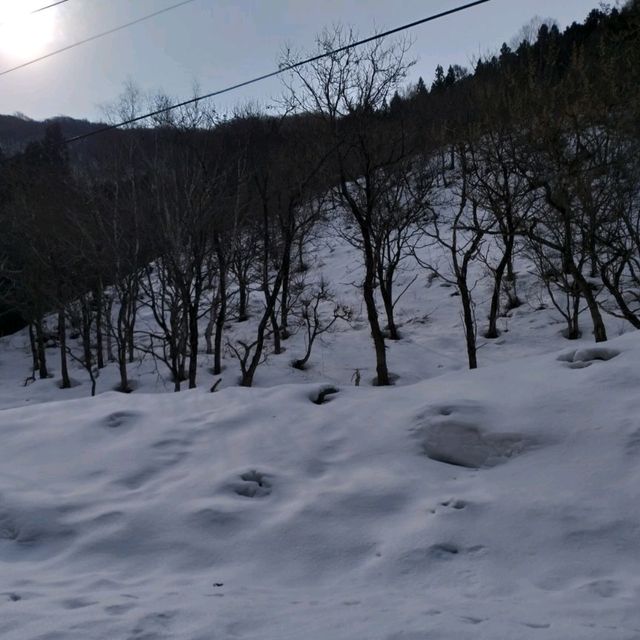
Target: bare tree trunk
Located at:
point(222, 306)
point(368, 291)
point(86, 333)
point(181, 346)
point(217, 351)
point(208, 332)
point(178, 372)
point(109, 328)
point(284, 296)
point(592, 244)
point(494, 310)
point(249, 372)
point(99, 302)
point(242, 301)
point(131, 325)
point(574, 321)
point(62, 339)
point(122, 341)
point(122, 368)
point(92, 377)
point(35, 365)
point(193, 342)
point(469, 323)
point(386, 293)
point(42, 352)
point(599, 330)
point(277, 344)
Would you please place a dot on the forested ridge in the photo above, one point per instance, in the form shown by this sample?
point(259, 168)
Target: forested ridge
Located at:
point(533, 153)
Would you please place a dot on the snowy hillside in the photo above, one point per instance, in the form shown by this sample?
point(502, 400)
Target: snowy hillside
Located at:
point(428, 315)
point(494, 504)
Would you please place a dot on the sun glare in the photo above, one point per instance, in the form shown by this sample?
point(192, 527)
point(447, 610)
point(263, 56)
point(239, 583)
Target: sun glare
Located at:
point(24, 34)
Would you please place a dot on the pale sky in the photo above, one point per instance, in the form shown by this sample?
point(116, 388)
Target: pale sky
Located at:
point(216, 43)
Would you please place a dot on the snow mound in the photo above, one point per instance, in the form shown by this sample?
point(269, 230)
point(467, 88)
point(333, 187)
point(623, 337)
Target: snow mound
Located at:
point(259, 514)
point(453, 434)
point(582, 358)
point(466, 445)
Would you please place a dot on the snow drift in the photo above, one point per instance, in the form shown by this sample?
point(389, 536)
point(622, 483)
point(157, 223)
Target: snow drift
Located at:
point(494, 504)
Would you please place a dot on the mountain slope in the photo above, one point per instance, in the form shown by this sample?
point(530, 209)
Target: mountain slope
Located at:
point(16, 132)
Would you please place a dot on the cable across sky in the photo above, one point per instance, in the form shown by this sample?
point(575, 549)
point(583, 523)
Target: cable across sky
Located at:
point(280, 70)
point(40, 9)
point(97, 36)
point(49, 6)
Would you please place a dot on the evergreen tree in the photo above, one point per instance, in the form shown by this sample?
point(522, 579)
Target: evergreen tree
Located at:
point(450, 78)
point(439, 81)
point(395, 106)
point(421, 90)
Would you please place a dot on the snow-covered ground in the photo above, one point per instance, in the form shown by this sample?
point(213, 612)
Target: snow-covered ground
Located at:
point(498, 504)
point(428, 316)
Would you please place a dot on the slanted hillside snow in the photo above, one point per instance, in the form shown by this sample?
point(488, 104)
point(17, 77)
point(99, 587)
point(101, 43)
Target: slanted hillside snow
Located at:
point(498, 504)
point(428, 316)
point(494, 504)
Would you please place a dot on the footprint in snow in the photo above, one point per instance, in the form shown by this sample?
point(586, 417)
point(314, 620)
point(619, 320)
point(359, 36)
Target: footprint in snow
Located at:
point(120, 419)
point(536, 625)
point(458, 505)
point(255, 485)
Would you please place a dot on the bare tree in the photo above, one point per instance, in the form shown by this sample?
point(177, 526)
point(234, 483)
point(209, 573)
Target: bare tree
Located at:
point(348, 90)
point(559, 154)
point(315, 321)
point(462, 236)
point(528, 32)
point(283, 190)
point(507, 196)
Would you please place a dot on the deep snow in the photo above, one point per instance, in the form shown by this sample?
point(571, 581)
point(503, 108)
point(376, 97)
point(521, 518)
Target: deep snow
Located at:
point(499, 504)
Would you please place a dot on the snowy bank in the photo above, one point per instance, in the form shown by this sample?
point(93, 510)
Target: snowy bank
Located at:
point(495, 504)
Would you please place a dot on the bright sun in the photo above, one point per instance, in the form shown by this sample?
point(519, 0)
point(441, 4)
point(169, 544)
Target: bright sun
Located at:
point(24, 34)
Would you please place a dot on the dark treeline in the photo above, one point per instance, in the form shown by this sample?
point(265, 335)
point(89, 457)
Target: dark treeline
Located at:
point(189, 223)
point(17, 131)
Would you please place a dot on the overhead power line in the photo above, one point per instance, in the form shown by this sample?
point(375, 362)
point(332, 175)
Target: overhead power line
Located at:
point(49, 6)
point(34, 11)
point(280, 70)
point(94, 37)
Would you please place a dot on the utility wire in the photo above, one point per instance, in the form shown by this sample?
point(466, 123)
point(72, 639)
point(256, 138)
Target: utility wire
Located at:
point(94, 37)
point(30, 13)
point(280, 70)
point(49, 6)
